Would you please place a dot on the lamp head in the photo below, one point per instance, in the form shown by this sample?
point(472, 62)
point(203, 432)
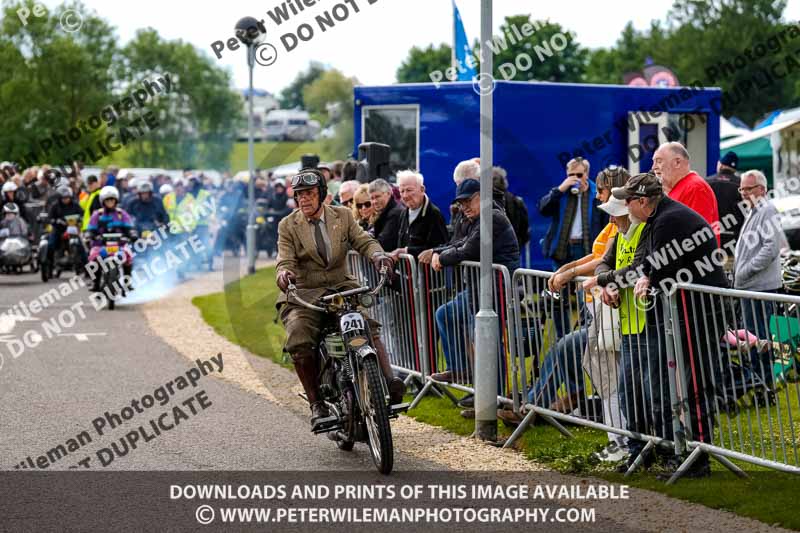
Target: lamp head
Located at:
point(250, 31)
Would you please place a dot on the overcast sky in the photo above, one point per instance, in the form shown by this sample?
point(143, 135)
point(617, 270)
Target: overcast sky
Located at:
point(372, 43)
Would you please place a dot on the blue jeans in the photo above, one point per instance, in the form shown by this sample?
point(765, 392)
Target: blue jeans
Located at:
point(561, 312)
point(452, 319)
point(562, 364)
point(755, 319)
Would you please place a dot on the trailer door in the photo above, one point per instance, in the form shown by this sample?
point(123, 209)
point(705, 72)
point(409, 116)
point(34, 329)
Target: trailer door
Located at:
point(650, 131)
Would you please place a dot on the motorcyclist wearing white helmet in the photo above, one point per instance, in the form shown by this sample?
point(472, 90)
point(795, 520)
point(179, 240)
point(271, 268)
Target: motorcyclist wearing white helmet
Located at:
point(11, 194)
point(12, 224)
point(110, 219)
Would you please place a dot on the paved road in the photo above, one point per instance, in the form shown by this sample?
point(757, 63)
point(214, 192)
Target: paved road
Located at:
point(53, 392)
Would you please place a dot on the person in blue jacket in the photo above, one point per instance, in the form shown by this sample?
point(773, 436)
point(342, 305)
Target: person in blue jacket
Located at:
point(575, 221)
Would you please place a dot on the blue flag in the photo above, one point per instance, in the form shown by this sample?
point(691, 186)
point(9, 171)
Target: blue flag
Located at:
point(462, 50)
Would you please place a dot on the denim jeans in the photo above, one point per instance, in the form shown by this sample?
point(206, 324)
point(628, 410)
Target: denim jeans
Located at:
point(452, 320)
point(561, 312)
point(562, 364)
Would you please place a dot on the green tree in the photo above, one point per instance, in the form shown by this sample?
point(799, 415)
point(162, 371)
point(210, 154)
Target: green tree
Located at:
point(628, 55)
point(197, 119)
point(419, 64)
point(334, 89)
point(292, 96)
point(698, 42)
point(53, 79)
point(707, 34)
point(549, 53)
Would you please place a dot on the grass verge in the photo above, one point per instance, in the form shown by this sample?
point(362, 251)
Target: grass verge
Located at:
point(245, 314)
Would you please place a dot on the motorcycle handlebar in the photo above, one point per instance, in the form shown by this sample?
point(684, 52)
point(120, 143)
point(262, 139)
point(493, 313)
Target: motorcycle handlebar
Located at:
point(292, 292)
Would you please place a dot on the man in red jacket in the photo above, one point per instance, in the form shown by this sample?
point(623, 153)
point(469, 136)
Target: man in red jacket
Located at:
point(682, 184)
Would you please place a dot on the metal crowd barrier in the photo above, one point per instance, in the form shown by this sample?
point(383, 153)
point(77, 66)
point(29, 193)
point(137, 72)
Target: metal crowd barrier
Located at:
point(572, 349)
point(702, 369)
point(449, 302)
point(738, 388)
point(396, 309)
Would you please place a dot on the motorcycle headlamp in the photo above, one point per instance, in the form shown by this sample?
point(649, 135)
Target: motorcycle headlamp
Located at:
point(366, 300)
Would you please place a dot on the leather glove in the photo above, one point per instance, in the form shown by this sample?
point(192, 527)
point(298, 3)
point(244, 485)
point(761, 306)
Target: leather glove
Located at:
point(286, 277)
point(381, 260)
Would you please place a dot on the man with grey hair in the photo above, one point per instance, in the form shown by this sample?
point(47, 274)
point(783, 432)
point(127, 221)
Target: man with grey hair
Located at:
point(467, 170)
point(757, 263)
point(387, 223)
point(346, 192)
point(671, 163)
point(422, 225)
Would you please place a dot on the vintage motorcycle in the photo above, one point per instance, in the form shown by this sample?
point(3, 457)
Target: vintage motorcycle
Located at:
point(351, 382)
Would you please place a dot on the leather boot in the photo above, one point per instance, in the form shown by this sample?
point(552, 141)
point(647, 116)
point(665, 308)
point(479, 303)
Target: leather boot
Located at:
point(397, 388)
point(305, 364)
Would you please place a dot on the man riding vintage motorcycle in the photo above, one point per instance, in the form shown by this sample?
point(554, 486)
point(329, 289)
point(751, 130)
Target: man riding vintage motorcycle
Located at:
point(312, 248)
point(65, 206)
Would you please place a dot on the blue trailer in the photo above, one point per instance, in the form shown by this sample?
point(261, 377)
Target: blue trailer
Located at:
point(537, 128)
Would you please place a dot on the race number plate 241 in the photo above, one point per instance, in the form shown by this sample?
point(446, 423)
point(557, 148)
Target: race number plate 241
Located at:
point(352, 322)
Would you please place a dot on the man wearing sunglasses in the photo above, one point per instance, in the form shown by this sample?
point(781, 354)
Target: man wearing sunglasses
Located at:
point(576, 220)
point(312, 249)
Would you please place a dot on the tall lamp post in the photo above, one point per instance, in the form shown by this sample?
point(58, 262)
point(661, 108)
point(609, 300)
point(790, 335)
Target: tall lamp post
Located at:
point(251, 34)
point(486, 319)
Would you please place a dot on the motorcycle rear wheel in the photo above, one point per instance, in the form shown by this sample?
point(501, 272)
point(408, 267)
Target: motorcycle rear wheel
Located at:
point(376, 416)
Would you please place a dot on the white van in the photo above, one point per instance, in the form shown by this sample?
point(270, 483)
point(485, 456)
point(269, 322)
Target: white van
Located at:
point(288, 125)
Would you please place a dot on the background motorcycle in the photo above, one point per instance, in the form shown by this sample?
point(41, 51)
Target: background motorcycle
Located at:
point(68, 256)
point(351, 382)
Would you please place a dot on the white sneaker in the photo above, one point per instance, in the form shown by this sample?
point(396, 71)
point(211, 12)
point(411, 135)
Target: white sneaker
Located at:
point(612, 453)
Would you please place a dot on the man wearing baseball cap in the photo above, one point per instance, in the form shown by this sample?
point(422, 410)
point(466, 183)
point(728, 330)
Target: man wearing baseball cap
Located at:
point(676, 244)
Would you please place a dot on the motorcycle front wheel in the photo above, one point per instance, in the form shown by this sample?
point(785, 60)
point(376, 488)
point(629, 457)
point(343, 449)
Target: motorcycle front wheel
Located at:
point(376, 415)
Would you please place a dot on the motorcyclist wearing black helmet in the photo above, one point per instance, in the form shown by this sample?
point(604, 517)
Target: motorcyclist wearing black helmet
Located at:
point(148, 213)
point(57, 214)
point(313, 243)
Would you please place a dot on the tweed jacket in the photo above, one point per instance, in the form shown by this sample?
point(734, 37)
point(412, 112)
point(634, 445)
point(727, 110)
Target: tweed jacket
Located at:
point(297, 252)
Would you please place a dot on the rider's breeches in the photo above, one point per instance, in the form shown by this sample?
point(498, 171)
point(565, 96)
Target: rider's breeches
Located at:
point(303, 328)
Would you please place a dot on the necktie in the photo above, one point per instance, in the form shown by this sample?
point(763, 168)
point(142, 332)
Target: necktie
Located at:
point(321, 250)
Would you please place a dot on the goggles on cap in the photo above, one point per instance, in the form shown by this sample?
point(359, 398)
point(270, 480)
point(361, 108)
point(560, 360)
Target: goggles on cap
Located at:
point(306, 178)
